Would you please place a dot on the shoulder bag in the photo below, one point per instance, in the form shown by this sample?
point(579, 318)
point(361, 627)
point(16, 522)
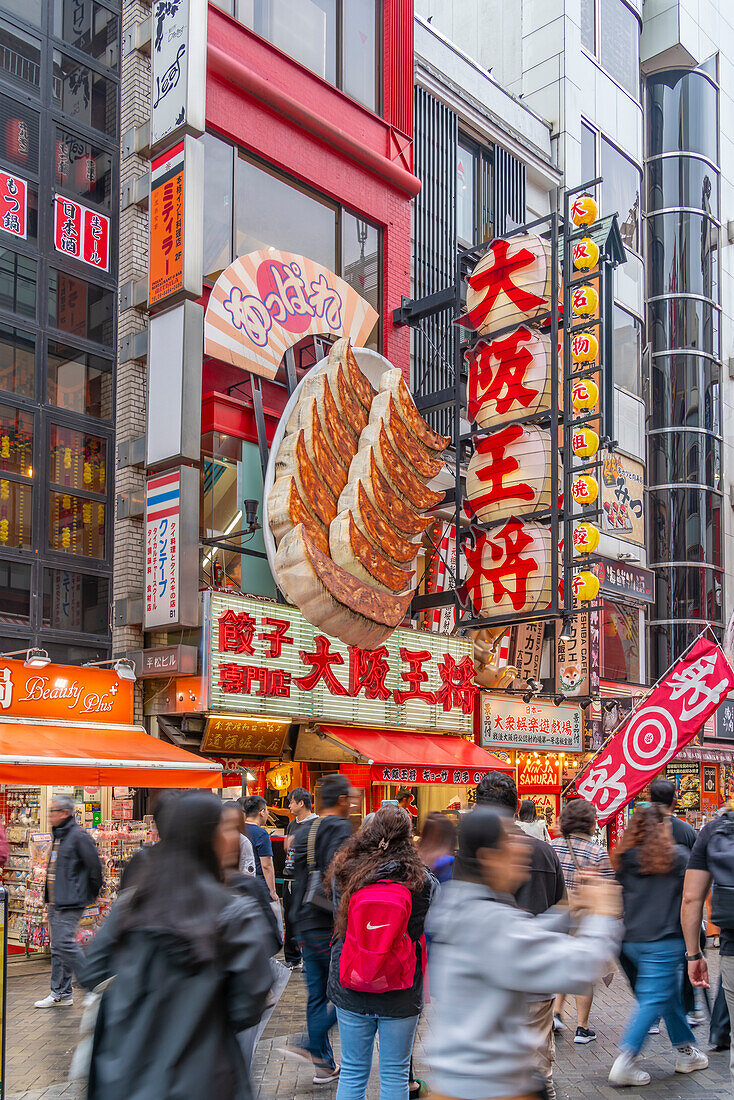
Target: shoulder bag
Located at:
point(315, 893)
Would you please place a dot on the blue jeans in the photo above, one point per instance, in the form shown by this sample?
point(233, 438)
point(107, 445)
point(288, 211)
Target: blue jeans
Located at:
point(659, 992)
point(321, 1015)
point(357, 1034)
point(66, 954)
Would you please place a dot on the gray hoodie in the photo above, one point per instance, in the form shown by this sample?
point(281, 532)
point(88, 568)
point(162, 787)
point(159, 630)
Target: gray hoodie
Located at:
point(485, 955)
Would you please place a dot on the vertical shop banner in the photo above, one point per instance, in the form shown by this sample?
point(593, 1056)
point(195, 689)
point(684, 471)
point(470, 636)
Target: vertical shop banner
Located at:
point(176, 223)
point(527, 650)
point(572, 657)
point(441, 577)
point(171, 549)
point(81, 233)
point(623, 498)
point(66, 600)
point(668, 718)
point(178, 70)
point(13, 205)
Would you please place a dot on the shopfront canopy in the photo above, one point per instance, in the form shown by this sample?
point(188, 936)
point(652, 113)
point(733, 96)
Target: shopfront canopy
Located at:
point(97, 755)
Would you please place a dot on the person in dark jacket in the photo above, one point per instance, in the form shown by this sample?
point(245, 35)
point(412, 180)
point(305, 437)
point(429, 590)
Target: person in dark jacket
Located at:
point(73, 881)
point(190, 971)
point(382, 850)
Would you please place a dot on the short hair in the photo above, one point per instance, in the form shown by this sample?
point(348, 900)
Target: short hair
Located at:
point(528, 810)
point(163, 804)
point(497, 789)
point(64, 802)
point(331, 789)
point(662, 791)
point(578, 816)
point(253, 804)
point(300, 794)
point(404, 792)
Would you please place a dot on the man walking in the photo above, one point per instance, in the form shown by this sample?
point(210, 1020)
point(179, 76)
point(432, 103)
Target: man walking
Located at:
point(256, 814)
point(299, 804)
point(73, 881)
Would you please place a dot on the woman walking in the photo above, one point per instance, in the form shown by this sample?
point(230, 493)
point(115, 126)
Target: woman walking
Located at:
point(382, 893)
point(651, 869)
point(437, 845)
point(530, 823)
point(189, 972)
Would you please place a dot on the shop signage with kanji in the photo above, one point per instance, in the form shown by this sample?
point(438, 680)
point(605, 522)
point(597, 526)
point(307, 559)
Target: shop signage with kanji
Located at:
point(623, 498)
point(176, 232)
point(181, 660)
point(536, 725)
point(408, 774)
point(13, 205)
point(725, 720)
point(81, 233)
point(572, 657)
point(171, 556)
point(245, 737)
point(266, 658)
point(628, 581)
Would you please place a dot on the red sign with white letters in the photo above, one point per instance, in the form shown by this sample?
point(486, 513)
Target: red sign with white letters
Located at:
point(81, 233)
point(13, 205)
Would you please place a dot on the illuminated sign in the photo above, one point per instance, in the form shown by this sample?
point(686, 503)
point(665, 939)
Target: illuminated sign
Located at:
point(534, 725)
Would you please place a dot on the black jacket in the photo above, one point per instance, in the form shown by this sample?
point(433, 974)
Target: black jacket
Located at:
point(167, 1024)
point(333, 832)
point(544, 886)
point(78, 877)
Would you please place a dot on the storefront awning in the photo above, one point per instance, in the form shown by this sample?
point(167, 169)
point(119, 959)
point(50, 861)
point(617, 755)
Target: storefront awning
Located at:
point(97, 755)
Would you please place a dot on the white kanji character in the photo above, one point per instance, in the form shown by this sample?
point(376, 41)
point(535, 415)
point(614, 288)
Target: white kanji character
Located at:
point(693, 680)
point(607, 792)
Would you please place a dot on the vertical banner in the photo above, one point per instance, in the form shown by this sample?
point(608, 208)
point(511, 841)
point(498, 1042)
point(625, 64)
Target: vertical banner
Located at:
point(572, 657)
point(171, 549)
point(13, 205)
point(176, 223)
point(442, 620)
point(527, 650)
point(66, 600)
point(178, 70)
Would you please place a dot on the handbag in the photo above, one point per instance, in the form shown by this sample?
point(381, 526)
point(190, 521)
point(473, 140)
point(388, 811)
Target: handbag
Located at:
point(315, 893)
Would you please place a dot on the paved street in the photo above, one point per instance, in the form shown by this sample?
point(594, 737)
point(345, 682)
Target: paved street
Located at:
point(40, 1044)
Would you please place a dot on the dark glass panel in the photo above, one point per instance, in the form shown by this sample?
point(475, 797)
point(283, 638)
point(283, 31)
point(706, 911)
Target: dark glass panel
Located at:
point(18, 134)
point(359, 51)
point(84, 94)
point(80, 308)
point(15, 515)
point(15, 593)
point(682, 181)
point(669, 641)
point(685, 457)
point(683, 323)
point(78, 381)
point(76, 525)
point(682, 114)
point(76, 601)
point(688, 592)
point(627, 350)
point(17, 283)
point(621, 643)
point(682, 254)
point(77, 460)
point(90, 28)
point(686, 525)
point(620, 192)
point(81, 168)
point(70, 654)
point(30, 10)
point(361, 263)
point(20, 58)
point(17, 362)
point(218, 208)
point(685, 391)
point(16, 441)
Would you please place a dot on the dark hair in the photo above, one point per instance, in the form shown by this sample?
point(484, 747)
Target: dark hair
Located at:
point(382, 848)
point(253, 804)
point(528, 810)
point(482, 828)
point(662, 791)
point(300, 794)
point(649, 833)
point(403, 792)
point(233, 804)
point(578, 816)
point(438, 831)
point(331, 789)
point(497, 789)
point(178, 891)
point(163, 804)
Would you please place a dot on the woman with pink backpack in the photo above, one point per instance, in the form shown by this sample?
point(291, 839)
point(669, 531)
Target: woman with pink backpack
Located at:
point(382, 894)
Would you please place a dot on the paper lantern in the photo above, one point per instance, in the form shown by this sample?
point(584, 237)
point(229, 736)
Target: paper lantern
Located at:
point(511, 284)
point(511, 377)
point(585, 489)
point(585, 585)
point(509, 569)
point(509, 473)
point(585, 538)
point(584, 301)
point(584, 394)
point(584, 347)
point(584, 442)
point(584, 210)
point(585, 253)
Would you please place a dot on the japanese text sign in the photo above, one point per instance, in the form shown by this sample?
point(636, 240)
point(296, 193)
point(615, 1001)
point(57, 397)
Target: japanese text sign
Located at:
point(178, 70)
point(536, 725)
point(243, 737)
point(267, 659)
point(13, 205)
point(623, 498)
point(508, 569)
point(538, 772)
point(64, 691)
point(411, 774)
point(171, 569)
point(81, 233)
point(509, 377)
point(176, 225)
point(669, 717)
point(267, 301)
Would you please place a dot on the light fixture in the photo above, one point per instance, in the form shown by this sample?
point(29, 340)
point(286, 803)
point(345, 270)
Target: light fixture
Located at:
point(34, 658)
point(567, 629)
point(251, 514)
point(123, 666)
point(527, 696)
point(535, 686)
point(558, 699)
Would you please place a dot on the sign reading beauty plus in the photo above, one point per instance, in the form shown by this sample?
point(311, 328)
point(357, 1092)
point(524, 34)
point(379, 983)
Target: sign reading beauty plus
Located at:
point(266, 658)
point(63, 691)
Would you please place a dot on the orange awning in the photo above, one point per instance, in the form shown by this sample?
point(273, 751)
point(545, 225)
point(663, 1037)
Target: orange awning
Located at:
point(97, 755)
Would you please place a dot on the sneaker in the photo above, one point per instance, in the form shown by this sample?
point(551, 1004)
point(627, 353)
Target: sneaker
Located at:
point(584, 1035)
point(324, 1075)
point(689, 1059)
point(558, 1024)
point(695, 1018)
point(625, 1071)
point(52, 1001)
point(654, 1030)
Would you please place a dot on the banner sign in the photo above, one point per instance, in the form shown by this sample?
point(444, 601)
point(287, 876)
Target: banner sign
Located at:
point(672, 713)
point(527, 650)
point(13, 205)
point(412, 774)
point(171, 549)
point(81, 233)
point(628, 581)
point(572, 657)
point(63, 691)
point(176, 225)
point(178, 70)
point(623, 498)
point(514, 724)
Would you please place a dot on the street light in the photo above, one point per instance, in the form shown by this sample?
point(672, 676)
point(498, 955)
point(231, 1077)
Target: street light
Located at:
point(123, 666)
point(34, 658)
point(567, 629)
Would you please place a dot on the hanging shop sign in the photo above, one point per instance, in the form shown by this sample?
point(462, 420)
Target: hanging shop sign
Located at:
point(178, 70)
point(267, 301)
point(725, 720)
point(64, 692)
point(537, 725)
point(623, 498)
point(411, 774)
point(710, 787)
point(527, 650)
point(630, 582)
point(538, 772)
point(245, 736)
point(510, 377)
point(441, 576)
point(174, 386)
point(511, 284)
point(13, 205)
point(572, 657)
point(171, 549)
point(170, 660)
point(686, 777)
point(66, 600)
point(509, 473)
point(508, 569)
point(267, 659)
point(81, 233)
point(176, 225)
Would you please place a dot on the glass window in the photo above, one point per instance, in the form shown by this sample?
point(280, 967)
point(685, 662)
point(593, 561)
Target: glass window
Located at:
point(274, 213)
point(685, 457)
point(303, 29)
point(82, 169)
point(685, 323)
point(685, 392)
point(76, 525)
point(20, 57)
point(84, 94)
point(687, 525)
point(18, 134)
point(17, 283)
point(16, 441)
point(218, 174)
point(685, 592)
point(30, 10)
point(76, 601)
point(588, 153)
point(627, 351)
point(682, 181)
point(620, 44)
point(466, 195)
point(682, 114)
point(17, 362)
point(80, 308)
point(361, 261)
point(90, 27)
point(588, 29)
point(620, 643)
point(683, 255)
point(75, 654)
point(77, 460)
point(15, 514)
point(15, 593)
point(78, 381)
point(620, 192)
point(359, 50)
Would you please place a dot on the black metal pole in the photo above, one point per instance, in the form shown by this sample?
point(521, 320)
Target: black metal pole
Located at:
point(4, 900)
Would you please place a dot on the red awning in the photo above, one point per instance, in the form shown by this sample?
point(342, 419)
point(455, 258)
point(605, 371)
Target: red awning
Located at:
point(420, 752)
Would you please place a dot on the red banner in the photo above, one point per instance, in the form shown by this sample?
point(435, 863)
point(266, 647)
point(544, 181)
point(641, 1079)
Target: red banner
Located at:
point(672, 713)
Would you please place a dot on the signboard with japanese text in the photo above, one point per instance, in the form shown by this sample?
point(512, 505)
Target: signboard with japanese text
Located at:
point(527, 650)
point(686, 778)
point(710, 787)
point(538, 772)
point(623, 498)
point(669, 717)
point(625, 581)
point(81, 233)
point(537, 725)
point(178, 70)
point(13, 205)
point(725, 720)
point(572, 657)
point(66, 600)
point(245, 737)
point(180, 660)
point(267, 301)
point(176, 187)
point(265, 658)
point(64, 692)
point(387, 773)
point(171, 549)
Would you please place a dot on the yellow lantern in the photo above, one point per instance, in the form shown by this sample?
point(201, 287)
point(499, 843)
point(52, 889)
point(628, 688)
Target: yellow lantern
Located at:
point(86, 514)
point(585, 253)
point(584, 442)
point(585, 538)
point(584, 210)
point(585, 585)
point(584, 394)
point(4, 490)
point(584, 300)
point(65, 538)
point(584, 489)
point(4, 530)
point(584, 347)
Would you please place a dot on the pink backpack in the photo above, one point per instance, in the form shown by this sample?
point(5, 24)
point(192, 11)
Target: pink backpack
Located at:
point(378, 955)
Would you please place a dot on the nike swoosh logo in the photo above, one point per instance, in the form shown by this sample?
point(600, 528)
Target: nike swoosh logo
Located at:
point(373, 927)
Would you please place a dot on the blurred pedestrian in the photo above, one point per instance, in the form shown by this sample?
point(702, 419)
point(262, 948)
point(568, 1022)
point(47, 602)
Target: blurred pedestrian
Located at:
point(313, 914)
point(651, 868)
point(299, 804)
point(256, 815)
point(530, 823)
point(134, 866)
point(437, 845)
point(486, 954)
point(382, 892)
point(189, 972)
point(232, 813)
point(578, 853)
point(73, 881)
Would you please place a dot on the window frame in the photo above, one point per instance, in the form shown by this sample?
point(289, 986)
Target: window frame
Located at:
point(595, 56)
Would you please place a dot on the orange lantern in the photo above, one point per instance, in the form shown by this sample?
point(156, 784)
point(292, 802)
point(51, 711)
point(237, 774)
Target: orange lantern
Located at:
point(584, 442)
point(585, 253)
point(509, 473)
point(584, 394)
point(585, 538)
point(584, 300)
point(584, 210)
point(585, 585)
point(511, 283)
point(584, 347)
point(584, 489)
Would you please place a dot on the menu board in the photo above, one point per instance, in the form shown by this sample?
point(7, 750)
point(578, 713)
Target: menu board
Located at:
point(686, 775)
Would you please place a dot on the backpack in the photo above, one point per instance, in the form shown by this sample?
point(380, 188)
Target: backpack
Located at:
point(378, 955)
point(720, 862)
